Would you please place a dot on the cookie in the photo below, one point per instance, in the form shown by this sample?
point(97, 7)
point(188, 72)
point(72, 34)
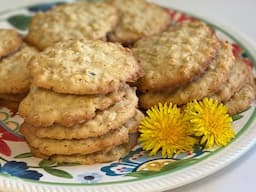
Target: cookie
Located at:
point(207, 84)
point(14, 74)
point(138, 18)
point(99, 157)
point(13, 97)
point(176, 56)
point(133, 123)
point(76, 146)
point(71, 21)
point(84, 67)
point(10, 42)
point(43, 108)
point(237, 77)
point(242, 99)
point(104, 121)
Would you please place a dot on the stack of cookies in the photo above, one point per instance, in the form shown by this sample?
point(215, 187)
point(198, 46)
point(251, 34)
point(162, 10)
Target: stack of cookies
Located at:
point(14, 56)
point(188, 62)
point(80, 108)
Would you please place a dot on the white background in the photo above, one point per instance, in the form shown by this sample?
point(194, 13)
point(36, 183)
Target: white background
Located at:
point(239, 15)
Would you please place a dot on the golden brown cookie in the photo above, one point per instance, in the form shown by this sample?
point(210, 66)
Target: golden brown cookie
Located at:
point(104, 121)
point(76, 146)
point(237, 78)
point(99, 157)
point(10, 41)
point(84, 67)
point(14, 75)
point(242, 99)
point(71, 21)
point(206, 85)
point(43, 108)
point(138, 18)
point(176, 56)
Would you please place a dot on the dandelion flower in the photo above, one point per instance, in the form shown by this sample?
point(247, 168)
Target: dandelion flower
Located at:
point(164, 129)
point(209, 120)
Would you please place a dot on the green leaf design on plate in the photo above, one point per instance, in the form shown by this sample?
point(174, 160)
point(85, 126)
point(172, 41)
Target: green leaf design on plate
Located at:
point(142, 174)
point(236, 117)
point(20, 22)
point(178, 163)
point(23, 155)
point(46, 163)
point(67, 164)
point(58, 173)
point(168, 167)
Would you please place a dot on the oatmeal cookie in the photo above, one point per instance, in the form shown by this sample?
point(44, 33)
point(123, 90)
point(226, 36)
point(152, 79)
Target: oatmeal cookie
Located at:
point(84, 67)
point(71, 21)
point(138, 18)
point(104, 121)
point(43, 108)
point(10, 42)
point(75, 146)
point(176, 56)
point(14, 74)
point(207, 84)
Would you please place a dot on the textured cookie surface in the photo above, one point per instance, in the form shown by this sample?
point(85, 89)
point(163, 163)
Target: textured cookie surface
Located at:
point(242, 98)
point(71, 21)
point(84, 67)
point(77, 146)
point(206, 85)
point(138, 18)
point(14, 75)
point(175, 56)
point(44, 108)
point(10, 41)
point(236, 79)
point(99, 157)
point(104, 121)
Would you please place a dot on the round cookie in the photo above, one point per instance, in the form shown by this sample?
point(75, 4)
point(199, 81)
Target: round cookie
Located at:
point(43, 108)
point(176, 56)
point(104, 121)
point(99, 157)
point(238, 75)
point(14, 74)
point(71, 21)
point(76, 146)
point(10, 41)
point(242, 98)
point(206, 85)
point(84, 67)
point(138, 18)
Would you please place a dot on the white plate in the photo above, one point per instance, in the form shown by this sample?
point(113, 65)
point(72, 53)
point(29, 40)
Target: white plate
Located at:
point(17, 165)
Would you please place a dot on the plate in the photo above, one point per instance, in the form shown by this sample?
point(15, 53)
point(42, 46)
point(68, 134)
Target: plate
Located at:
point(19, 171)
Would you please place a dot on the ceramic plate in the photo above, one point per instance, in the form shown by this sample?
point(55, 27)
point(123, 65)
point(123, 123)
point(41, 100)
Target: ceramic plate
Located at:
point(19, 171)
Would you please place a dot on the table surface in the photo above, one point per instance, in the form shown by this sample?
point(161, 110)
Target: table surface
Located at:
point(238, 15)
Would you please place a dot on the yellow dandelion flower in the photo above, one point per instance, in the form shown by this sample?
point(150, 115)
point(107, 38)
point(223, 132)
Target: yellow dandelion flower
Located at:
point(209, 120)
point(164, 129)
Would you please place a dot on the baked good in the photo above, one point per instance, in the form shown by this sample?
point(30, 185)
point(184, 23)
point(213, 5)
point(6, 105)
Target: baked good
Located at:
point(138, 18)
point(84, 67)
point(71, 21)
point(176, 56)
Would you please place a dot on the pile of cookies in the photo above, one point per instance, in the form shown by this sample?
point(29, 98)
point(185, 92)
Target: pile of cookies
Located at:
point(188, 62)
point(113, 20)
point(14, 76)
point(80, 108)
